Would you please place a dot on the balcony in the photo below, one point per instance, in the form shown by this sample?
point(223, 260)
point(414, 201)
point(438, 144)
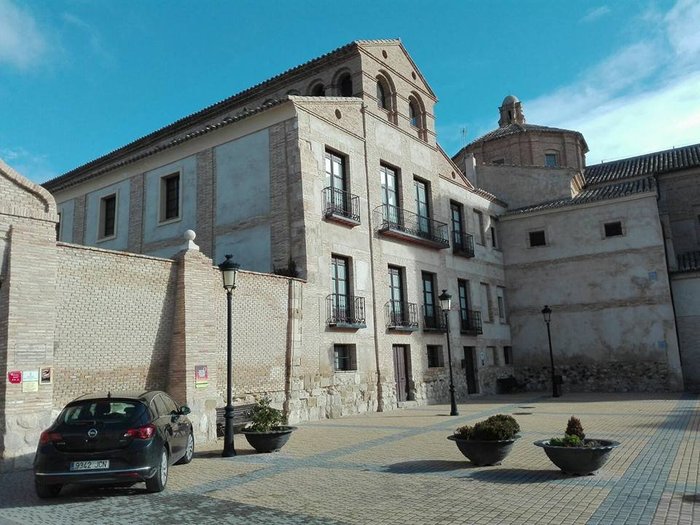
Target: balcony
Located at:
point(398, 223)
point(402, 316)
point(470, 322)
point(433, 319)
point(341, 206)
point(462, 244)
point(345, 311)
point(689, 261)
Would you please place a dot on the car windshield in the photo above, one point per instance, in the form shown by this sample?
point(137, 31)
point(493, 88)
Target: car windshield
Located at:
point(102, 410)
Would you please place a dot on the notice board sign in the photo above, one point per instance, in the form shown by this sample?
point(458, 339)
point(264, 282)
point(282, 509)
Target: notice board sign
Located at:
point(14, 377)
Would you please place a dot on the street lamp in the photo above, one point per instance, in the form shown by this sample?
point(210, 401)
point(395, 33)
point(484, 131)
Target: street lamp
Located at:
point(228, 272)
point(547, 314)
point(445, 306)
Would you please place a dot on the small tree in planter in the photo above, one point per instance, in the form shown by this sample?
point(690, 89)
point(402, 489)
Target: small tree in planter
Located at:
point(488, 442)
point(573, 453)
point(267, 430)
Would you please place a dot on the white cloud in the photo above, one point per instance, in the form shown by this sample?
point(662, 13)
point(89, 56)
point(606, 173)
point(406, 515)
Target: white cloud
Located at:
point(645, 97)
point(35, 167)
point(595, 14)
point(21, 43)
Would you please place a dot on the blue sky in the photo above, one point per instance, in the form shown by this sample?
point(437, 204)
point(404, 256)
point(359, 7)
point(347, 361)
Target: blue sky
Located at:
point(80, 78)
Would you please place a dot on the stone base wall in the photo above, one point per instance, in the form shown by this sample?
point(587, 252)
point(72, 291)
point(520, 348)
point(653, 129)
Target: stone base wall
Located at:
point(614, 376)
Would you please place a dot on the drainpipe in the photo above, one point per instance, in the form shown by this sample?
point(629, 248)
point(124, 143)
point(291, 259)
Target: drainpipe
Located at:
point(380, 397)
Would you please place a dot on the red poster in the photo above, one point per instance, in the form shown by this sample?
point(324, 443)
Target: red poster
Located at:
point(14, 377)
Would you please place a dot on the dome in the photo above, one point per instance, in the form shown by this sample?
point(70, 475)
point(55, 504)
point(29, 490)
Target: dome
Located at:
point(510, 99)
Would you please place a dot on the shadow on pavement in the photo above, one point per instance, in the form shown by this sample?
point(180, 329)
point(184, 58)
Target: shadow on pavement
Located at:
point(426, 466)
point(516, 476)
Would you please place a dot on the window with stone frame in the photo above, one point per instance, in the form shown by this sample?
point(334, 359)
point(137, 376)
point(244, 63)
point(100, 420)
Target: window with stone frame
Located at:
point(108, 217)
point(170, 197)
point(436, 357)
point(551, 159)
point(345, 357)
point(508, 355)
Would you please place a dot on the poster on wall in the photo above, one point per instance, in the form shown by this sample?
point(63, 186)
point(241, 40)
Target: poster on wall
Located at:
point(201, 376)
point(30, 380)
point(45, 377)
point(14, 377)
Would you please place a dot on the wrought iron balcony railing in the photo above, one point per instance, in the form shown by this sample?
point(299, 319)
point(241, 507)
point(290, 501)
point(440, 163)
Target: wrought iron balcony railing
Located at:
point(688, 261)
point(399, 223)
point(401, 315)
point(341, 206)
point(470, 322)
point(433, 318)
point(463, 244)
point(345, 311)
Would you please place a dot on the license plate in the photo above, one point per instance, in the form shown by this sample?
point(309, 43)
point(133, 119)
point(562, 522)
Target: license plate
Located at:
point(96, 464)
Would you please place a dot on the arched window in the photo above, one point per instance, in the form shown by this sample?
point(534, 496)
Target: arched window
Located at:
point(318, 90)
point(345, 85)
point(382, 101)
point(413, 114)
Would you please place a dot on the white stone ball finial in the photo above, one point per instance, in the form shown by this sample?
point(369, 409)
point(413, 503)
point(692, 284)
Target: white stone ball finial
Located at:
point(190, 236)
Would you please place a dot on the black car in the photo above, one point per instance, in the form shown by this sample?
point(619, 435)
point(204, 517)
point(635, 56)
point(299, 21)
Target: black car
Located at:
point(113, 438)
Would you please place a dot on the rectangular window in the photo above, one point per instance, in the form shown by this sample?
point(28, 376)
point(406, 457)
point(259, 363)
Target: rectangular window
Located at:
point(108, 212)
point(398, 308)
point(170, 197)
point(430, 311)
point(457, 219)
point(494, 234)
point(436, 357)
point(340, 287)
point(486, 303)
point(498, 162)
point(479, 218)
point(550, 160)
point(501, 298)
point(58, 227)
point(345, 357)
point(422, 205)
point(537, 238)
point(390, 194)
point(613, 229)
point(508, 355)
point(463, 291)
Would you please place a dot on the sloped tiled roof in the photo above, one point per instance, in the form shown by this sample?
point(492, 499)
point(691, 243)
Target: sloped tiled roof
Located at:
point(652, 163)
point(515, 128)
point(610, 191)
point(121, 156)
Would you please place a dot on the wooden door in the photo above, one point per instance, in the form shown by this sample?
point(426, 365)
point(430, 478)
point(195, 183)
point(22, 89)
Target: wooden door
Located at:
point(401, 372)
point(470, 369)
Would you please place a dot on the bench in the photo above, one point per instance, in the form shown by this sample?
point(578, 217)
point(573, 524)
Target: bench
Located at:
point(507, 385)
point(240, 418)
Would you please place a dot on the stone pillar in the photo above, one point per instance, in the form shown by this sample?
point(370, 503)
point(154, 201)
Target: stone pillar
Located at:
point(194, 339)
point(28, 311)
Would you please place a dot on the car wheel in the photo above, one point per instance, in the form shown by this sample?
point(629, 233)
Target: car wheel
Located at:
point(157, 482)
point(47, 491)
point(189, 451)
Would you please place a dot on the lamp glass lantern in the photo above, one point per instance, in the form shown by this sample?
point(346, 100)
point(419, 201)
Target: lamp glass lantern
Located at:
point(229, 269)
point(547, 313)
point(445, 301)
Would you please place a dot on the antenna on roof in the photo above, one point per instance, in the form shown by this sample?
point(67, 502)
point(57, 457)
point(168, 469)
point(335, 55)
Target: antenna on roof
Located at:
point(109, 394)
point(464, 136)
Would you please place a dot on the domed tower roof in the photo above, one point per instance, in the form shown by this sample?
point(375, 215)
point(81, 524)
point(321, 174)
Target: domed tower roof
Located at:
point(511, 112)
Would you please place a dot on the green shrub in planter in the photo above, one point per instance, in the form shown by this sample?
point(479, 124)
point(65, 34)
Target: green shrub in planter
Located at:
point(264, 417)
point(495, 428)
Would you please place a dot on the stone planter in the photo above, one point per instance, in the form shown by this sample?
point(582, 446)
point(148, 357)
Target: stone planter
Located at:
point(483, 452)
point(270, 441)
point(579, 460)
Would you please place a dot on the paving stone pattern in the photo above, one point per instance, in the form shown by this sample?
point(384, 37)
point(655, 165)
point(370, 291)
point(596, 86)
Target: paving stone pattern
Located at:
point(398, 467)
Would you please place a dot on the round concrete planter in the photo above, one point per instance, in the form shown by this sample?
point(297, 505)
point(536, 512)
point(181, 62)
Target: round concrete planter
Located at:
point(579, 461)
point(482, 453)
point(270, 441)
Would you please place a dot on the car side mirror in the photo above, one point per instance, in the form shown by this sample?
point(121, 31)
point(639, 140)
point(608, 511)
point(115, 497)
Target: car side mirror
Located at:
point(184, 410)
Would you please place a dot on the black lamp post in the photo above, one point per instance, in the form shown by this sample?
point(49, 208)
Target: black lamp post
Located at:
point(228, 272)
point(547, 314)
point(445, 306)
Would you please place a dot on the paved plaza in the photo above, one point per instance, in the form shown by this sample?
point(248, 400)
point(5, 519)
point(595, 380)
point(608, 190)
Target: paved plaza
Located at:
point(398, 467)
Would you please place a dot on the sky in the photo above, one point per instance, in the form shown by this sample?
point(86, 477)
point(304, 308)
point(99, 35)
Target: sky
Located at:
point(80, 78)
